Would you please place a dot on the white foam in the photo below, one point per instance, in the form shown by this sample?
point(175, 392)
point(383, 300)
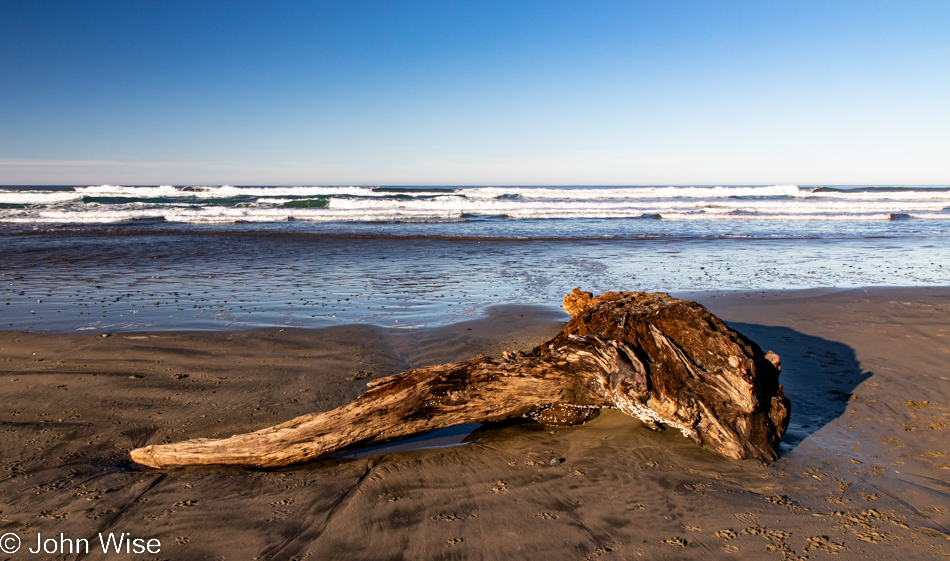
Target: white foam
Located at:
point(360, 204)
point(142, 192)
point(618, 208)
point(37, 197)
point(224, 191)
point(223, 215)
point(636, 192)
point(211, 215)
point(542, 193)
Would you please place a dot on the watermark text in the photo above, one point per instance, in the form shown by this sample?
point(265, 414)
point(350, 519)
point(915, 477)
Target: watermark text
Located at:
point(121, 543)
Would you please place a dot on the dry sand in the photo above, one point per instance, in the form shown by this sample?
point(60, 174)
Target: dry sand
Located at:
point(864, 473)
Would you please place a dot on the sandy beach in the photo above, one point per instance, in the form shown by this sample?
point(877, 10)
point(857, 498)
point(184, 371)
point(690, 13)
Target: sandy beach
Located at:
point(229, 220)
point(863, 474)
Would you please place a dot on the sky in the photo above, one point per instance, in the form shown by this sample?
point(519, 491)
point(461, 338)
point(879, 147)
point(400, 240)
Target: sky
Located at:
point(478, 92)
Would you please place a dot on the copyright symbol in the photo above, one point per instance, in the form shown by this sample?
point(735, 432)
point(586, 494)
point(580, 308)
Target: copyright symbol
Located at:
point(9, 543)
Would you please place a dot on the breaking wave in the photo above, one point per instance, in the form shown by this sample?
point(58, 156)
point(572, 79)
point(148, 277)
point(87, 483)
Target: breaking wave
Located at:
point(200, 204)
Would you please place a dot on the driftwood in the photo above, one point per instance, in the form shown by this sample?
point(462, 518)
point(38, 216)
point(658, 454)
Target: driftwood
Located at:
point(663, 360)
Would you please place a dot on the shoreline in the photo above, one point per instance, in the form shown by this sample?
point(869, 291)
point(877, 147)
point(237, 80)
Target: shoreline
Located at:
point(863, 471)
point(170, 282)
point(476, 312)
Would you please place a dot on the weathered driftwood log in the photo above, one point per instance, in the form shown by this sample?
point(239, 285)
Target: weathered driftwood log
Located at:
point(664, 360)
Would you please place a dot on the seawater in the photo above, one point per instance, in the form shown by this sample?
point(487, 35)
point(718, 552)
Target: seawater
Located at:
point(506, 211)
point(114, 258)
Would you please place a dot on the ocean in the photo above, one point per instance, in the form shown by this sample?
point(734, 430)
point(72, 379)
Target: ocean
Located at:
point(112, 258)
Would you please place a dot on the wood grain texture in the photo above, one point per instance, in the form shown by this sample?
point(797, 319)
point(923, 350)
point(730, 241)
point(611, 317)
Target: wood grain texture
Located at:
point(664, 360)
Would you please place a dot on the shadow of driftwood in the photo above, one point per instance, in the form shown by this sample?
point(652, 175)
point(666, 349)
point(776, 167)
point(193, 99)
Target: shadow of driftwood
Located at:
point(818, 376)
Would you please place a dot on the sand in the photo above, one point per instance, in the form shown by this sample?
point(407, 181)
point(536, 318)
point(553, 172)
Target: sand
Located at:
point(863, 474)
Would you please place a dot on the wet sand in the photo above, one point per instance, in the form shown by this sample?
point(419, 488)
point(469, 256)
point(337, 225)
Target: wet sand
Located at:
point(95, 282)
point(863, 475)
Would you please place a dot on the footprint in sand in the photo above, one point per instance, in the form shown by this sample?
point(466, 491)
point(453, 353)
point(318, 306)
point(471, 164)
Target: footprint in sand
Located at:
point(53, 515)
point(726, 534)
point(776, 535)
point(933, 532)
point(870, 536)
point(915, 404)
point(747, 517)
point(754, 530)
point(823, 543)
point(782, 500)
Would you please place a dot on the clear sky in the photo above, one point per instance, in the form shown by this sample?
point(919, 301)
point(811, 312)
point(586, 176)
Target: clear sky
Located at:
point(475, 92)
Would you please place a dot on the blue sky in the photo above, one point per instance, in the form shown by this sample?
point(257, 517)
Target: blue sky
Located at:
point(475, 92)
